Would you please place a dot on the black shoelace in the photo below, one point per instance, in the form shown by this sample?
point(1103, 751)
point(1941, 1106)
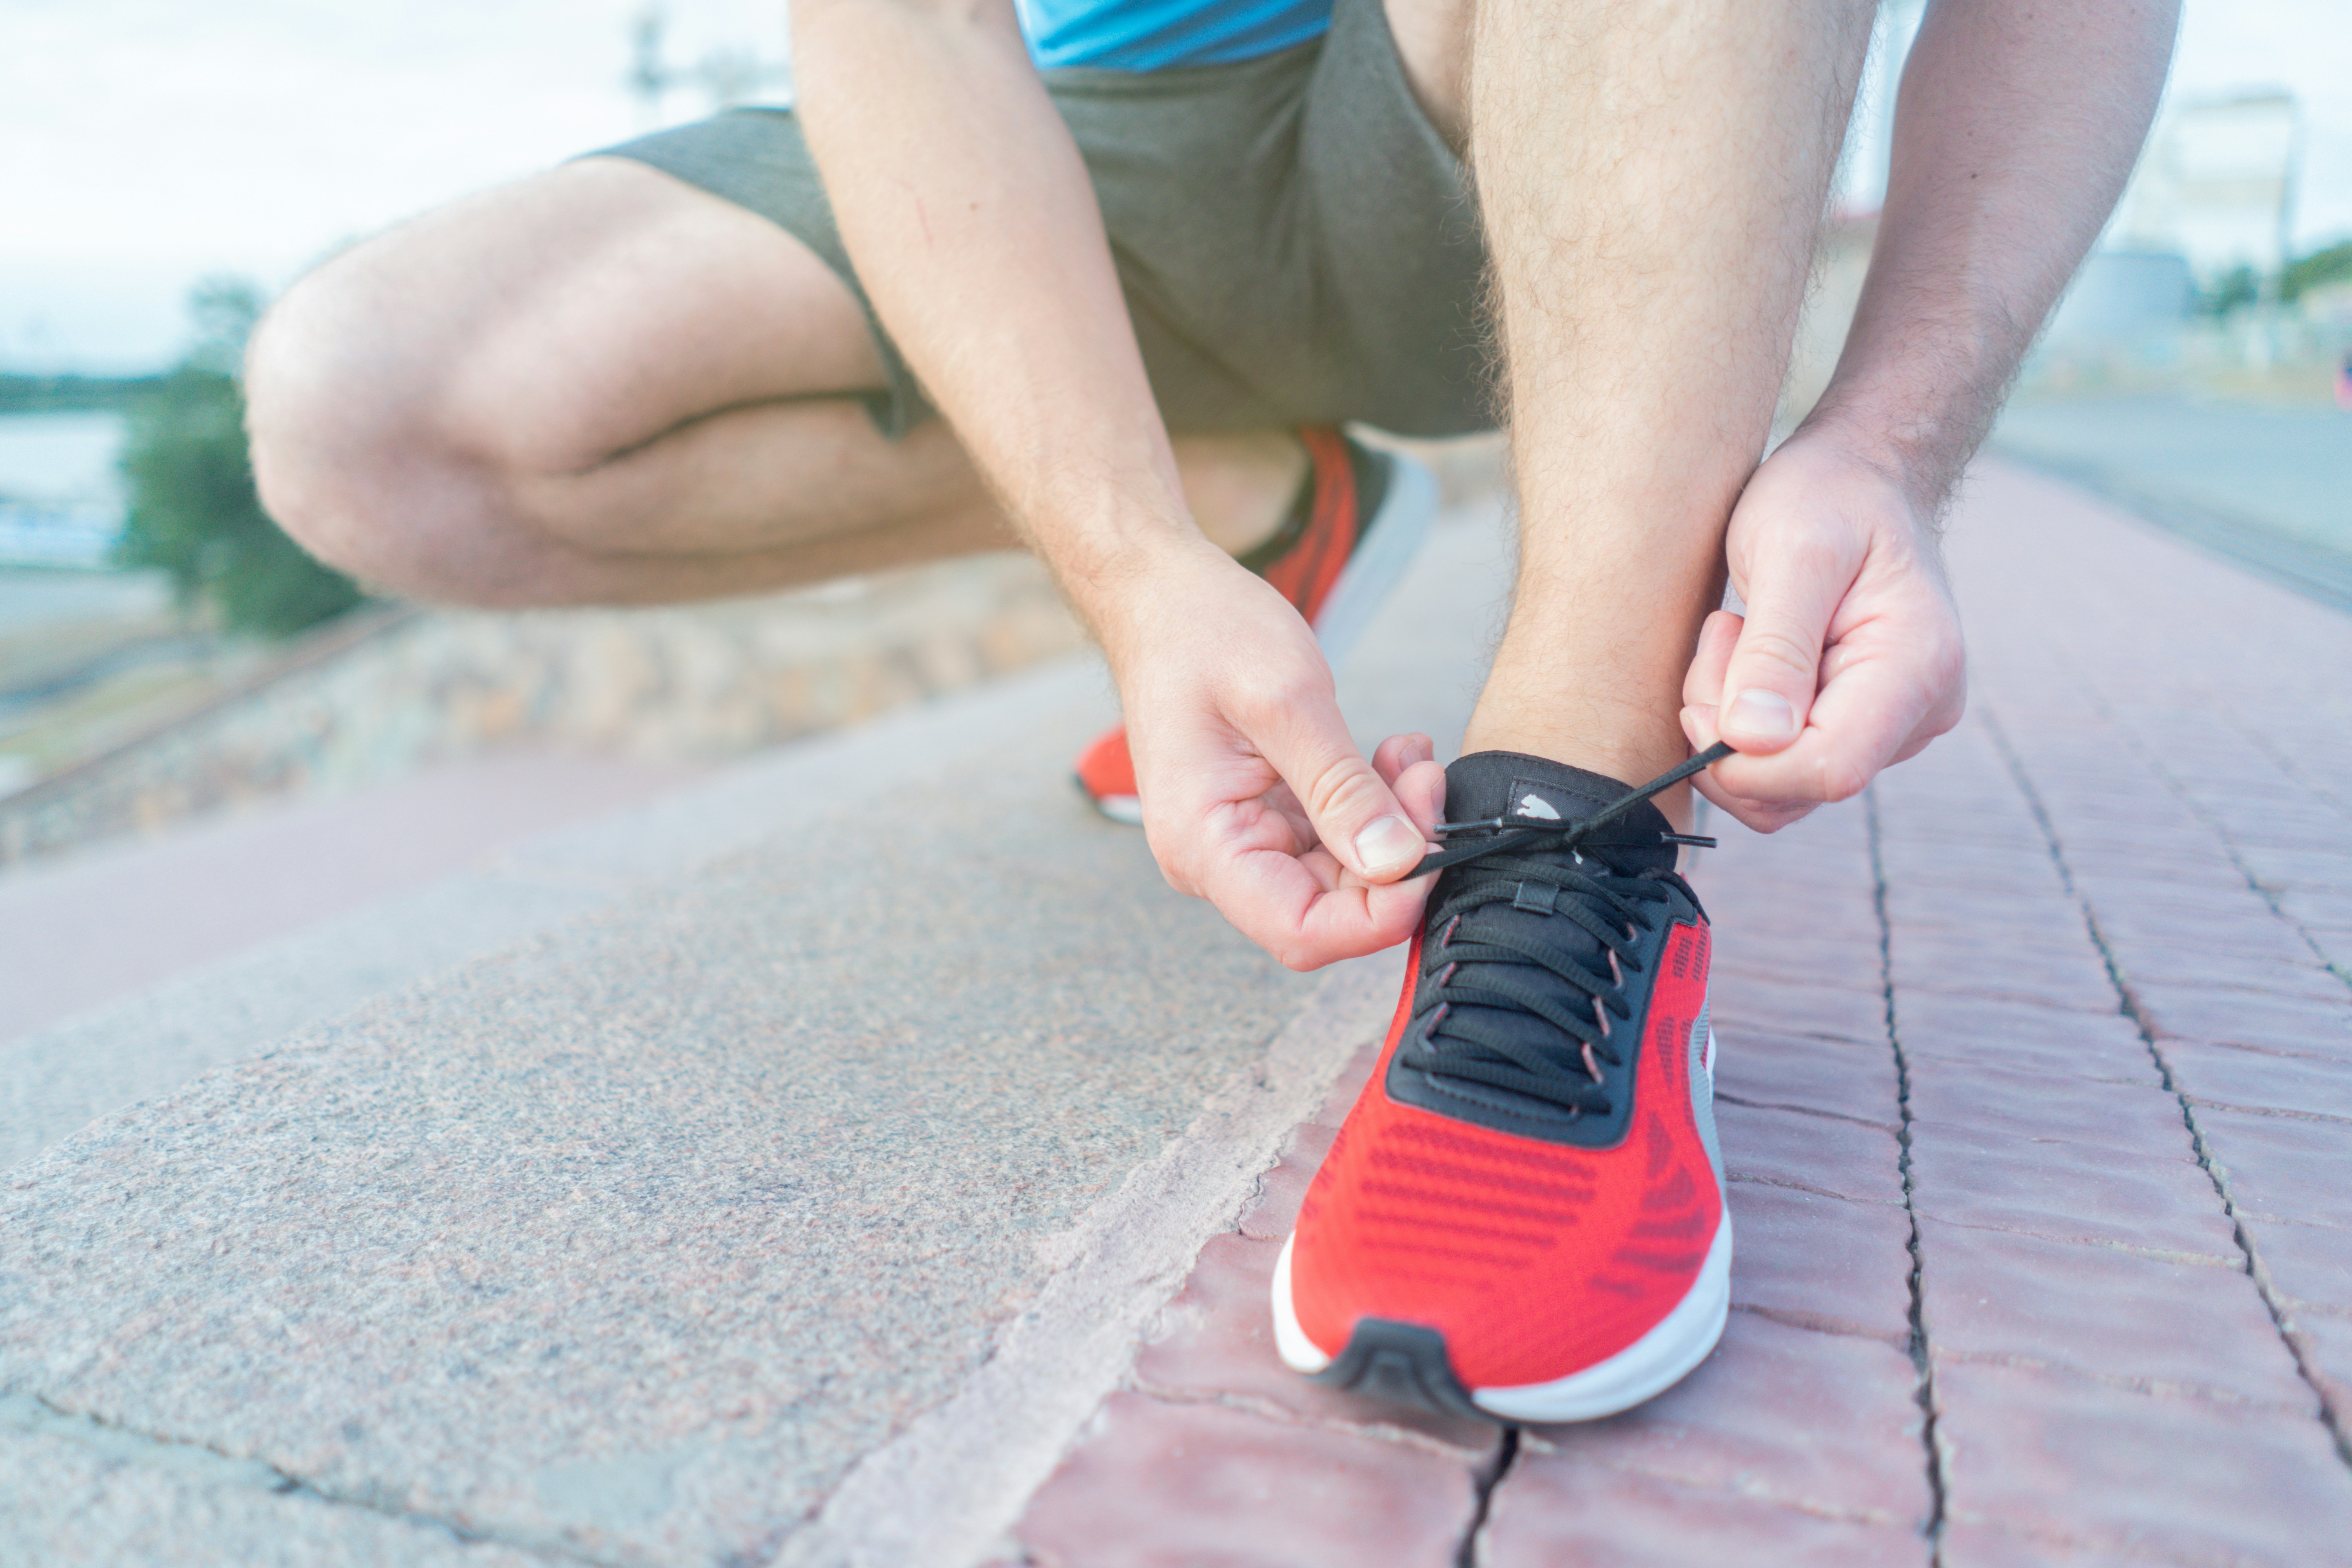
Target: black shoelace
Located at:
point(1610, 905)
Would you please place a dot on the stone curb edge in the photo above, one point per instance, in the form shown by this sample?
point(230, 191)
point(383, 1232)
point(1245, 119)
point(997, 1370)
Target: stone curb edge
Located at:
point(944, 1492)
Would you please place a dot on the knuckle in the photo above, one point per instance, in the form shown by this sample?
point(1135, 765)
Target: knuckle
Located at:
point(1175, 867)
point(1843, 779)
point(1774, 820)
point(1780, 646)
point(1344, 786)
point(1268, 698)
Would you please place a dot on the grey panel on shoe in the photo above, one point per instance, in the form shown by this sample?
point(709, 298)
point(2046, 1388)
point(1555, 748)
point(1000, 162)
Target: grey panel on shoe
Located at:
point(1700, 1065)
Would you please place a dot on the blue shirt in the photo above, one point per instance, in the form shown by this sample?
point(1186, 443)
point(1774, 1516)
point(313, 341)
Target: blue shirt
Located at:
point(1154, 35)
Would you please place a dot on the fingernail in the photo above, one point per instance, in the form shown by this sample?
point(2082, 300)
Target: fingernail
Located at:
point(1763, 715)
point(1390, 844)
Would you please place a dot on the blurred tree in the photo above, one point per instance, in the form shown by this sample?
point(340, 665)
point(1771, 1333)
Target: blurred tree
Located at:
point(2236, 288)
point(193, 510)
point(2329, 266)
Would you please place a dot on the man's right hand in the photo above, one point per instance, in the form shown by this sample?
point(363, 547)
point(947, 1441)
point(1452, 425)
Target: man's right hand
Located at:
point(1255, 795)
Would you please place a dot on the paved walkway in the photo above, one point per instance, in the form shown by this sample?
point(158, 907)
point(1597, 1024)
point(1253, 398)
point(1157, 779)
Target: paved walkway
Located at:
point(2288, 467)
point(116, 919)
point(2269, 487)
point(896, 1189)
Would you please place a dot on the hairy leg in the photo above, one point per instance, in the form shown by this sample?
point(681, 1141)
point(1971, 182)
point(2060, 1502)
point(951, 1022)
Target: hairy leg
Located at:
point(1652, 179)
point(602, 385)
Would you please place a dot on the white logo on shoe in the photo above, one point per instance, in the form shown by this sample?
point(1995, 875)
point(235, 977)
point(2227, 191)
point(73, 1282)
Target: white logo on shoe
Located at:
point(1537, 806)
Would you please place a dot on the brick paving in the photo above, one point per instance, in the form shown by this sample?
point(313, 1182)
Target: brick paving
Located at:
point(2035, 1081)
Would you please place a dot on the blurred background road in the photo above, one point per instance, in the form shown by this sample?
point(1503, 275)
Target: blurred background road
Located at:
point(2291, 467)
point(2267, 485)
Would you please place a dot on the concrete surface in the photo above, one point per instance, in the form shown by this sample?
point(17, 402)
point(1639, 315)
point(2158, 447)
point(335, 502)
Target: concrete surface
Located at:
point(136, 1046)
point(547, 1304)
point(887, 1189)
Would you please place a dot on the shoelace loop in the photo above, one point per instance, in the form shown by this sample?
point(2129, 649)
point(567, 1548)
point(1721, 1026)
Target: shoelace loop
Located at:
point(1608, 906)
point(1520, 832)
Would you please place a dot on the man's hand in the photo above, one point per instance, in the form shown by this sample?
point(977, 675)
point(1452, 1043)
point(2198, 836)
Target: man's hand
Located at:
point(1848, 657)
point(1254, 796)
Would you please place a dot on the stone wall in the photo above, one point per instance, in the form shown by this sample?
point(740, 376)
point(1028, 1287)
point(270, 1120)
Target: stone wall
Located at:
point(388, 689)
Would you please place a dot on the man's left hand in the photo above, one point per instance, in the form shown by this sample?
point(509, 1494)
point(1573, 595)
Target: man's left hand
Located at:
point(1849, 656)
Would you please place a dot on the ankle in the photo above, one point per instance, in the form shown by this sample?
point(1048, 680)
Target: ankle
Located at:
point(1631, 760)
point(1241, 487)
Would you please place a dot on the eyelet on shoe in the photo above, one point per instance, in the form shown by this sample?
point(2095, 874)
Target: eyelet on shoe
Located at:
point(1600, 1013)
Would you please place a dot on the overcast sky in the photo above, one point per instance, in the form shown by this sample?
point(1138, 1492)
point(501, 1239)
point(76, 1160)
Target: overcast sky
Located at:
point(146, 143)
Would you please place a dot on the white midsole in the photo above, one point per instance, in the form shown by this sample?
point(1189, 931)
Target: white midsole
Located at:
point(1298, 1352)
point(1642, 1371)
point(1124, 809)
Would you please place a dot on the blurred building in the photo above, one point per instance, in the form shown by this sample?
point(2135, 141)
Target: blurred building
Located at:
point(2217, 184)
point(2127, 302)
point(2206, 219)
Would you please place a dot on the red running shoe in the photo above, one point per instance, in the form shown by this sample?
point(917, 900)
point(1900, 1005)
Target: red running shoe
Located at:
point(1523, 1217)
point(1359, 519)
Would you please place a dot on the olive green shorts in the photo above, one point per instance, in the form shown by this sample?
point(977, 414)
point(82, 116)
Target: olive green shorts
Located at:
point(1297, 243)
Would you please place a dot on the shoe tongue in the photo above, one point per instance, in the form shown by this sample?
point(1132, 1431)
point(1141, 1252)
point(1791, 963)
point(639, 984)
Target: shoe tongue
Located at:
point(1487, 785)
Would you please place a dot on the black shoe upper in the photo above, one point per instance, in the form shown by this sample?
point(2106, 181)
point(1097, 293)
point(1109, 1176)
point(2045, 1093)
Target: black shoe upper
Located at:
point(1538, 948)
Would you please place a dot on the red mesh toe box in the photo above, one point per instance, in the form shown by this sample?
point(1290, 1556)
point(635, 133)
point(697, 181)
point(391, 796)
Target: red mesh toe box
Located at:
point(1535, 1259)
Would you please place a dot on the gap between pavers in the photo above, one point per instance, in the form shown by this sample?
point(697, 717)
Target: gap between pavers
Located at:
point(2124, 712)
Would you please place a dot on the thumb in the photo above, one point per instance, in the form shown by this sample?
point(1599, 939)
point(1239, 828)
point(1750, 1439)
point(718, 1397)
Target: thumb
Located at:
point(1775, 667)
point(1355, 814)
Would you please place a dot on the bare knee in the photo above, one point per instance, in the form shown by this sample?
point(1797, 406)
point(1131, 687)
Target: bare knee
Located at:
point(349, 411)
point(345, 453)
